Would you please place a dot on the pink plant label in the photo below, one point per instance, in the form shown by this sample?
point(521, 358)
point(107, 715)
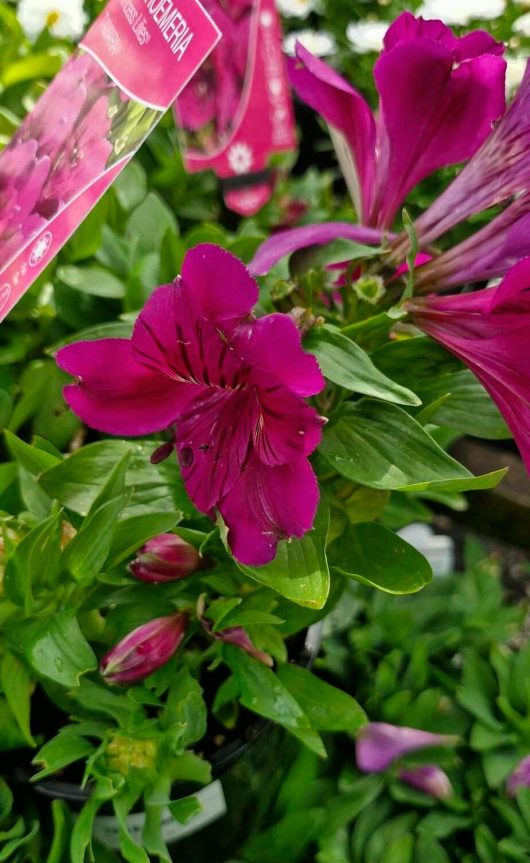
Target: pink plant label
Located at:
point(237, 111)
point(134, 61)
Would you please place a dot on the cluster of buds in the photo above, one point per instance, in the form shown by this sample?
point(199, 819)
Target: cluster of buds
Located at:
point(163, 559)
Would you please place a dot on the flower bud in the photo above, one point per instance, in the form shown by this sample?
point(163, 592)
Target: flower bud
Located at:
point(520, 778)
point(430, 779)
point(165, 558)
point(233, 635)
point(144, 650)
point(379, 744)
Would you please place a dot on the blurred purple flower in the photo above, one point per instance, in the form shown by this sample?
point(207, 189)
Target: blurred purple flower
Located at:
point(429, 778)
point(379, 744)
point(232, 387)
point(144, 650)
point(520, 778)
point(166, 557)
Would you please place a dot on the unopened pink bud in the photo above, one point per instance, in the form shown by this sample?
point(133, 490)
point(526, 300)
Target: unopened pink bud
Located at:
point(165, 558)
point(430, 779)
point(144, 650)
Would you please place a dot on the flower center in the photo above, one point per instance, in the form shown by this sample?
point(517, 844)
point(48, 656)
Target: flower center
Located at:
point(52, 18)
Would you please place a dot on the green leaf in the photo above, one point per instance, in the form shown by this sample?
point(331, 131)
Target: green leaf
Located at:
point(300, 570)
point(149, 223)
point(37, 560)
point(131, 185)
point(17, 687)
point(346, 364)
point(335, 252)
point(438, 377)
point(131, 533)
point(79, 479)
point(374, 555)
point(34, 460)
point(185, 809)
point(262, 692)
point(94, 281)
point(87, 552)
point(64, 749)
point(61, 831)
point(326, 707)
point(59, 650)
point(379, 445)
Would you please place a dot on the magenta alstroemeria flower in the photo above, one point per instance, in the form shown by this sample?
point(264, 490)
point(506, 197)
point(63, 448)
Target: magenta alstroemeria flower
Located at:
point(166, 557)
point(489, 330)
point(22, 178)
point(379, 744)
point(429, 778)
point(145, 649)
point(519, 778)
point(232, 386)
point(439, 95)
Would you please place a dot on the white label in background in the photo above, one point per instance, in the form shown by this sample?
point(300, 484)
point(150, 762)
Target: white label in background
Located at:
point(211, 798)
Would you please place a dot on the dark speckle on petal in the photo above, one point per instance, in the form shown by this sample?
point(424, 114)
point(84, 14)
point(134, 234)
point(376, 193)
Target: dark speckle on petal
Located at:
point(186, 456)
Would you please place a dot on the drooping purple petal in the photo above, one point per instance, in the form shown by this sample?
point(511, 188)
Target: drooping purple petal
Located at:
point(116, 394)
point(269, 504)
point(348, 113)
point(379, 744)
point(520, 778)
point(284, 243)
point(489, 331)
point(430, 779)
point(487, 254)
point(240, 638)
point(500, 169)
point(273, 345)
point(438, 103)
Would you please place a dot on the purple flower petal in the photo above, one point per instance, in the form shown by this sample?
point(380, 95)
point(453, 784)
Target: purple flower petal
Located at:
point(379, 744)
point(221, 285)
point(487, 254)
point(116, 394)
point(520, 778)
point(489, 331)
point(269, 504)
point(346, 112)
point(273, 344)
point(500, 169)
point(430, 779)
point(213, 439)
point(284, 243)
point(437, 101)
point(288, 427)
